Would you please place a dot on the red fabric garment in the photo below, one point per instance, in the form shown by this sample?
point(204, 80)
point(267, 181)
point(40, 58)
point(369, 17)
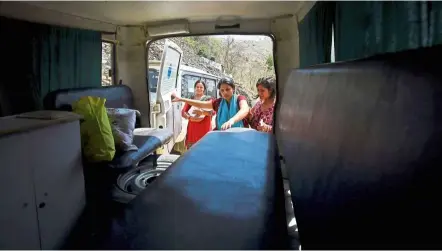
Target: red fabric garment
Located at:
point(217, 102)
point(197, 130)
point(258, 113)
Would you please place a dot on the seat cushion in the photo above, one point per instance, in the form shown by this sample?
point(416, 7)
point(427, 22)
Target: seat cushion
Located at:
point(147, 140)
point(122, 121)
point(218, 195)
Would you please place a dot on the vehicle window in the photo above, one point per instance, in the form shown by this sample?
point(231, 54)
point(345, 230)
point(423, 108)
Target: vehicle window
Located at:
point(152, 84)
point(107, 63)
point(153, 80)
point(211, 87)
point(187, 85)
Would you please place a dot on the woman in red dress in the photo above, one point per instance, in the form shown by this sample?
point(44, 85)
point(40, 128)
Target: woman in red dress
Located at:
point(200, 123)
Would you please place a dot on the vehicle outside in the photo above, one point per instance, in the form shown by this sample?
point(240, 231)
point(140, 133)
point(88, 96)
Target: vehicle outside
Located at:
point(187, 77)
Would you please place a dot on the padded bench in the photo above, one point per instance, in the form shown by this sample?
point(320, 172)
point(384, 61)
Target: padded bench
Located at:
point(362, 143)
point(146, 139)
point(226, 192)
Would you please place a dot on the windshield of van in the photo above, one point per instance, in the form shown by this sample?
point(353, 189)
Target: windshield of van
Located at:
point(211, 87)
point(188, 83)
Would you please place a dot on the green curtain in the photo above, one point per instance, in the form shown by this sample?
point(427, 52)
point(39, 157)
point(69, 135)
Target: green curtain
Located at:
point(66, 58)
point(363, 29)
point(39, 58)
point(315, 33)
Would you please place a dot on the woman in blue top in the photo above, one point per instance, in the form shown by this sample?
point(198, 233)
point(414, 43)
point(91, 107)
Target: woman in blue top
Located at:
point(231, 110)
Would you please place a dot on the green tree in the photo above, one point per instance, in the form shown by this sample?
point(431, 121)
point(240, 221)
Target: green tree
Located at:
point(269, 63)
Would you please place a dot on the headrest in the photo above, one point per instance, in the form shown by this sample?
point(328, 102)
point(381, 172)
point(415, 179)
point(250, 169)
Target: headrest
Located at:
point(119, 96)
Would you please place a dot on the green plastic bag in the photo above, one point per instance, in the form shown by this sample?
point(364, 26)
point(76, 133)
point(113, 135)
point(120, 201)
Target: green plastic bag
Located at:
point(96, 133)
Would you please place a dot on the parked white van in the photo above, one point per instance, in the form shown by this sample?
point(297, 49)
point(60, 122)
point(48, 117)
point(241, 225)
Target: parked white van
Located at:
point(187, 76)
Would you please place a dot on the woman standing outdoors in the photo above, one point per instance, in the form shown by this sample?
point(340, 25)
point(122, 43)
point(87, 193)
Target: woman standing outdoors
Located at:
point(200, 121)
point(261, 115)
point(231, 110)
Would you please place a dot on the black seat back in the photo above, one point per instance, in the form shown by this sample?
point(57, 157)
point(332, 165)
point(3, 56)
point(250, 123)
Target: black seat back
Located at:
point(362, 142)
point(119, 96)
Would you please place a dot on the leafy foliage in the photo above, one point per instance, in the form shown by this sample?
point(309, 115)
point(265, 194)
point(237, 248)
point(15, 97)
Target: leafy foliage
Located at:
point(245, 60)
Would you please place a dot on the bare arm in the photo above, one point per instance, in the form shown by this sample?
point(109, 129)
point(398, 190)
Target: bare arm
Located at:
point(250, 115)
point(184, 111)
point(242, 113)
point(208, 113)
point(196, 103)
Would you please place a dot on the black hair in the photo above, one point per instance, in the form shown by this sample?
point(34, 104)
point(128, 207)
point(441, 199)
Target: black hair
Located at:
point(269, 83)
point(226, 81)
point(202, 82)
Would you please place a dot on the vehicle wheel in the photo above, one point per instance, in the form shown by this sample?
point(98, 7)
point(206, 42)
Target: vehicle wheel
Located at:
point(119, 196)
point(137, 180)
point(130, 184)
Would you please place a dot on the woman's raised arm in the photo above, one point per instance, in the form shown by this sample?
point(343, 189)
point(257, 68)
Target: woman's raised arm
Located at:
point(193, 102)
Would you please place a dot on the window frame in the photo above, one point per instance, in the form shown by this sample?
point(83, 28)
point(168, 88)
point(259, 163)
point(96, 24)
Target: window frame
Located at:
point(191, 75)
point(214, 86)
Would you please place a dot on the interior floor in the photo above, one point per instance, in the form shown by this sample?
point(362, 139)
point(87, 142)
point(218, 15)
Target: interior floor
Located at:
point(290, 216)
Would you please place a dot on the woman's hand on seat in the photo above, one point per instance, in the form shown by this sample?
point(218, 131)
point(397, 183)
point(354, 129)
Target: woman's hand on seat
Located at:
point(227, 125)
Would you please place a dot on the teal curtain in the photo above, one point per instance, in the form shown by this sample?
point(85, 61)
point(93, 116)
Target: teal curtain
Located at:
point(315, 33)
point(364, 29)
point(39, 58)
point(66, 58)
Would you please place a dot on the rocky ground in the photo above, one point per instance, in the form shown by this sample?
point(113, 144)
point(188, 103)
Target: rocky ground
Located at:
point(106, 63)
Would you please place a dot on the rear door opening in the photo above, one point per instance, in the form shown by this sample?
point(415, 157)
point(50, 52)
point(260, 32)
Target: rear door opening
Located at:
point(243, 58)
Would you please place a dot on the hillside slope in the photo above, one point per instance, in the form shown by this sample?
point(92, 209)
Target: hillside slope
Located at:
point(224, 56)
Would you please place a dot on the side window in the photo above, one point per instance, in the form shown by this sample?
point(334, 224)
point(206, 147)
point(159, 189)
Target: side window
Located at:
point(153, 75)
point(211, 87)
point(187, 85)
point(107, 63)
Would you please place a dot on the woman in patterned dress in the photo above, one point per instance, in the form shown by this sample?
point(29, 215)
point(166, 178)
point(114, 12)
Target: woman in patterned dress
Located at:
point(261, 115)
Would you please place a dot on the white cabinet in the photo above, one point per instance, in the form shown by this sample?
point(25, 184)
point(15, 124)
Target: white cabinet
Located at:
point(41, 181)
